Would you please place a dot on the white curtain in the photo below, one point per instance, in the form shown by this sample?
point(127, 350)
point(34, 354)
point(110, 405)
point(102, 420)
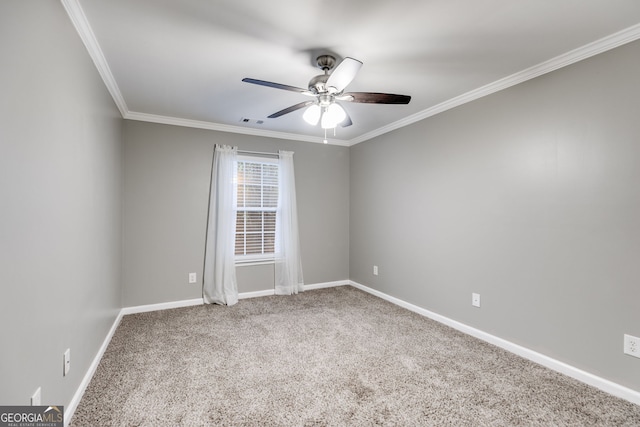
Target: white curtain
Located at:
point(220, 284)
point(288, 264)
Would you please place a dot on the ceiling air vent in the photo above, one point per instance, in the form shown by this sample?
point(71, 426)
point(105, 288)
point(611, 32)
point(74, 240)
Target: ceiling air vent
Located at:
point(247, 121)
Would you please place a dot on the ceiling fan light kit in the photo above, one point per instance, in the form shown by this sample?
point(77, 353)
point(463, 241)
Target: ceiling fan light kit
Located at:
point(312, 114)
point(328, 89)
point(332, 115)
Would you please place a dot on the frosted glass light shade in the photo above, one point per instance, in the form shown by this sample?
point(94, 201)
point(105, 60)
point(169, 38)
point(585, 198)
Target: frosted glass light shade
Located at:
point(333, 115)
point(312, 114)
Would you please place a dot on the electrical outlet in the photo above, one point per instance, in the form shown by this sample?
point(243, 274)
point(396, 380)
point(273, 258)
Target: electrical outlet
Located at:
point(36, 399)
point(631, 345)
point(192, 277)
point(475, 300)
point(66, 359)
point(375, 270)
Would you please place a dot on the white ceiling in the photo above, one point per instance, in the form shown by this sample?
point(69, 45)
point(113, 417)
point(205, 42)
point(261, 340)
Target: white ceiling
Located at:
point(182, 61)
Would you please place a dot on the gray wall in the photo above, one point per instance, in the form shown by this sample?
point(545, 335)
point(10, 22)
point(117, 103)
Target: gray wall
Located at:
point(530, 198)
point(167, 175)
point(60, 204)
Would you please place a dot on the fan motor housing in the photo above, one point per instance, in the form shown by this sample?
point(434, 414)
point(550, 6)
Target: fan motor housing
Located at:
point(318, 84)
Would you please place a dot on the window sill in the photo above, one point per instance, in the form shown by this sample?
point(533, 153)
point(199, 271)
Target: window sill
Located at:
point(251, 262)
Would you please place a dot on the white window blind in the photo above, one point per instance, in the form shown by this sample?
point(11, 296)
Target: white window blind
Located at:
point(256, 209)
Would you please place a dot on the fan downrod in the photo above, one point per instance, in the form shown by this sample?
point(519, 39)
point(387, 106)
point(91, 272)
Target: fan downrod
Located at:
point(326, 63)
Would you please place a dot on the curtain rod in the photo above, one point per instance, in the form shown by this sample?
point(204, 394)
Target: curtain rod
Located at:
point(258, 153)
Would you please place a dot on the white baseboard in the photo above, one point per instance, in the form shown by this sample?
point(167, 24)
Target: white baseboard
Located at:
point(269, 292)
point(161, 306)
point(75, 401)
point(605, 385)
point(255, 294)
point(326, 285)
point(200, 301)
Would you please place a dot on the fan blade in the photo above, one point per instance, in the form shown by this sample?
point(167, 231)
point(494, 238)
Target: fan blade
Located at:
point(343, 74)
point(347, 121)
point(375, 98)
point(276, 85)
point(290, 109)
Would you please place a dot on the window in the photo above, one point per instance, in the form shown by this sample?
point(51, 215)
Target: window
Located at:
point(257, 181)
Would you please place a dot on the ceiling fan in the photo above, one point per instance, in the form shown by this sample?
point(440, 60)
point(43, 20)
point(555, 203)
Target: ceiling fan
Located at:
point(328, 89)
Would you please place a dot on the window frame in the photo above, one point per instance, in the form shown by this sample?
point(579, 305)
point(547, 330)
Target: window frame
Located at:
point(263, 258)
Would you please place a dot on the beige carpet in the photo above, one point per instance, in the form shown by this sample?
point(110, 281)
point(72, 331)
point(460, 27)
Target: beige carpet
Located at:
point(336, 357)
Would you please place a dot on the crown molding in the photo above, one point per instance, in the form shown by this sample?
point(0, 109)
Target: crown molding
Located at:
point(587, 51)
point(200, 124)
point(80, 22)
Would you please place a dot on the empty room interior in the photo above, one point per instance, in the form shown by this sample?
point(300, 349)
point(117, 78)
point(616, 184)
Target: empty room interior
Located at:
point(481, 182)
